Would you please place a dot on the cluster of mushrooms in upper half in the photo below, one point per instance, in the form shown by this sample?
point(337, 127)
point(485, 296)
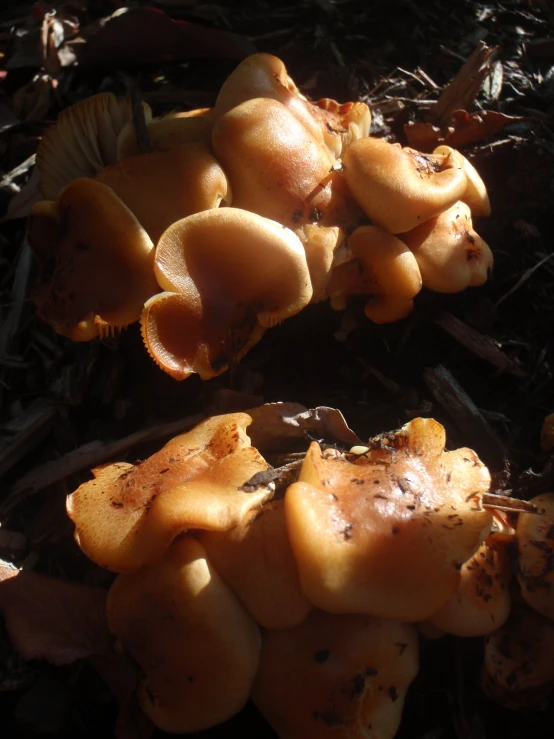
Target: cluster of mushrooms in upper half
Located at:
point(239, 216)
point(310, 602)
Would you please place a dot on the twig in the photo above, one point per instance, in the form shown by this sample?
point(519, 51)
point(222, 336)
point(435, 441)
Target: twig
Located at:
point(523, 279)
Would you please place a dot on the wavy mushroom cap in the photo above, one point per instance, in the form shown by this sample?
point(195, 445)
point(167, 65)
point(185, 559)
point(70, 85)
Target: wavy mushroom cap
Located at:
point(475, 194)
point(397, 188)
point(96, 258)
point(387, 533)
point(83, 141)
point(380, 266)
point(256, 561)
point(196, 647)
point(275, 166)
point(227, 275)
point(128, 515)
point(535, 542)
point(451, 256)
point(162, 187)
point(336, 676)
point(482, 601)
point(265, 76)
point(169, 132)
point(519, 669)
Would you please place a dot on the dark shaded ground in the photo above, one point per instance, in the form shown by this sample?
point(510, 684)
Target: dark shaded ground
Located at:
point(379, 376)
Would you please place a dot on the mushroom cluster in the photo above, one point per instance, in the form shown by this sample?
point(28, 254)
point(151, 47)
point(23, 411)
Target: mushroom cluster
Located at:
point(238, 216)
point(306, 599)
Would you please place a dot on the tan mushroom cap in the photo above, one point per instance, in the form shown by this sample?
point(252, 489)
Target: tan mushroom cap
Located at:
point(380, 266)
point(197, 648)
point(265, 76)
point(450, 254)
point(535, 542)
point(169, 132)
point(475, 195)
point(227, 274)
point(336, 676)
point(387, 533)
point(100, 261)
point(519, 660)
point(400, 188)
point(482, 601)
point(83, 141)
point(256, 561)
point(275, 167)
point(163, 187)
point(128, 515)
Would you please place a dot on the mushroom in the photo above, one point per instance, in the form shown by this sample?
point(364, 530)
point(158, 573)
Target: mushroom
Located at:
point(386, 533)
point(341, 676)
point(535, 543)
point(519, 670)
point(227, 275)
point(450, 254)
point(169, 132)
point(128, 515)
point(256, 561)
point(380, 266)
point(265, 76)
point(482, 601)
point(401, 188)
point(196, 647)
point(475, 194)
point(97, 261)
point(83, 141)
point(163, 187)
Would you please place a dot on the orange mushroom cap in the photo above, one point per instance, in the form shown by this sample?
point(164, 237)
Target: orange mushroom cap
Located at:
point(97, 261)
point(386, 533)
point(380, 266)
point(256, 561)
point(163, 187)
point(83, 141)
point(535, 542)
point(196, 646)
point(450, 254)
point(128, 515)
point(336, 676)
point(475, 194)
point(227, 274)
point(400, 188)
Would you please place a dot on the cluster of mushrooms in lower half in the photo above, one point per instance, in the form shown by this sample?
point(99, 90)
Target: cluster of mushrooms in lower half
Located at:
point(311, 599)
point(240, 215)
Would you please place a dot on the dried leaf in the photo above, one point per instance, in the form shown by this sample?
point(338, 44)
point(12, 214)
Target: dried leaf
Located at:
point(274, 425)
point(55, 620)
point(462, 129)
point(149, 36)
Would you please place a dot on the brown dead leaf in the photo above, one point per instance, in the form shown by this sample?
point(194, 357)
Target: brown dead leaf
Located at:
point(274, 425)
point(463, 129)
point(55, 620)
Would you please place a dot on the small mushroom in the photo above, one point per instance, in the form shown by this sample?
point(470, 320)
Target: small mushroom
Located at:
point(256, 561)
point(128, 515)
point(535, 543)
point(83, 141)
point(475, 194)
point(519, 668)
point(380, 266)
point(165, 186)
point(336, 676)
point(196, 647)
point(450, 254)
point(227, 275)
point(265, 76)
point(169, 132)
point(401, 188)
point(96, 259)
point(387, 533)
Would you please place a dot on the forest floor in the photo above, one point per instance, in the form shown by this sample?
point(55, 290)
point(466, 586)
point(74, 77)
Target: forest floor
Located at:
point(479, 361)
